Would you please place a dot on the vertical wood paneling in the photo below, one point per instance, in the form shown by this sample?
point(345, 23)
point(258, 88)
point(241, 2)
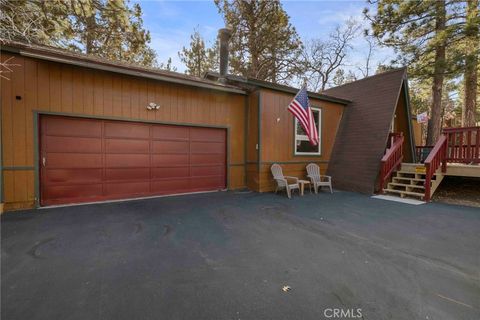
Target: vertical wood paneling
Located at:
point(31, 102)
point(160, 114)
point(151, 98)
point(117, 98)
point(77, 93)
point(7, 121)
point(98, 94)
point(174, 104)
point(18, 116)
point(55, 87)
point(142, 99)
point(66, 103)
point(9, 186)
point(107, 95)
point(43, 86)
point(126, 107)
point(87, 91)
point(134, 99)
point(180, 108)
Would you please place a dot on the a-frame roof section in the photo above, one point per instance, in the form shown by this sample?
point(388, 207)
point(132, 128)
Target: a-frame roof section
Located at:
point(363, 132)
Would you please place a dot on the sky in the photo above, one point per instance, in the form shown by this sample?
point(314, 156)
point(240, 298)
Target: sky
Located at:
point(172, 22)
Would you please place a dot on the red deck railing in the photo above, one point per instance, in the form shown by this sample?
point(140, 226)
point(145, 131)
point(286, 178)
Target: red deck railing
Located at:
point(459, 145)
point(463, 144)
point(432, 163)
point(392, 159)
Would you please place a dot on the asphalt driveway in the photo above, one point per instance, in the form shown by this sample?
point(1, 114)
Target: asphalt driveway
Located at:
point(228, 255)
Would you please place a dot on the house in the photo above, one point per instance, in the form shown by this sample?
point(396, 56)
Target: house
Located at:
point(81, 129)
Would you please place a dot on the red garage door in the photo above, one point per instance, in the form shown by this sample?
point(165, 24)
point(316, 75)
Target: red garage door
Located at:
point(85, 160)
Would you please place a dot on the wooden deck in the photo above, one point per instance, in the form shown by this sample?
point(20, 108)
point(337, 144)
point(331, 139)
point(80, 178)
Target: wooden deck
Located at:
point(453, 169)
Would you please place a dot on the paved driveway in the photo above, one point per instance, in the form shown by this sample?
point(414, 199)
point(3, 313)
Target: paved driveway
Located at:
point(227, 256)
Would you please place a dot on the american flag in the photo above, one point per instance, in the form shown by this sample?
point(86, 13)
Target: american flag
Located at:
point(300, 108)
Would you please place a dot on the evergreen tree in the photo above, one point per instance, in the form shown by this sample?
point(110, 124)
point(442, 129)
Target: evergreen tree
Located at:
point(472, 53)
point(197, 58)
point(110, 29)
point(264, 45)
point(167, 65)
point(421, 31)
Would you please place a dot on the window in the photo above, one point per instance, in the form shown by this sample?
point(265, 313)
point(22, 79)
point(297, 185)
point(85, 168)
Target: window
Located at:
point(302, 144)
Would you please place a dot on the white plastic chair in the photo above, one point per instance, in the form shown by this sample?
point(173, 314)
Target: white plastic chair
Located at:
point(282, 181)
point(316, 179)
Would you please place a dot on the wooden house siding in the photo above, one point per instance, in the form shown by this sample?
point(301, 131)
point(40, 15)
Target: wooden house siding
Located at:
point(277, 137)
point(49, 87)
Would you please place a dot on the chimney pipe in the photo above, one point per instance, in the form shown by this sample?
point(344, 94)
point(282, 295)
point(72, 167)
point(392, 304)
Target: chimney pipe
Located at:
point(224, 34)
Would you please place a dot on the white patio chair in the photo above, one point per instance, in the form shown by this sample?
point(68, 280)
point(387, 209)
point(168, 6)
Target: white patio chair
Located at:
point(316, 179)
point(282, 181)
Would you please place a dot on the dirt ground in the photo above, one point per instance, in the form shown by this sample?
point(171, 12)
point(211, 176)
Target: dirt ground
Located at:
point(459, 190)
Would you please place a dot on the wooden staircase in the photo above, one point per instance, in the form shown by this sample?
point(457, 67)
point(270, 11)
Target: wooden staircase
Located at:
point(459, 146)
point(409, 181)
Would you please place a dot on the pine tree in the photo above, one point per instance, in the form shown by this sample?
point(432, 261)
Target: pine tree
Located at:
point(421, 31)
point(264, 45)
point(110, 29)
point(197, 58)
point(472, 52)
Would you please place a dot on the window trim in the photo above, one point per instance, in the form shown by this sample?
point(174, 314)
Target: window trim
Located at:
point(297, 137)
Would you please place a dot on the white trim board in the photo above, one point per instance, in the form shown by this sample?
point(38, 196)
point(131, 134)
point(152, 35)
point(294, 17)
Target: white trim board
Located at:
point(398, 199)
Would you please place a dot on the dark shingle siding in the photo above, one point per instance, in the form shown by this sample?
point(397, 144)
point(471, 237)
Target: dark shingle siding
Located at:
point(363, 133)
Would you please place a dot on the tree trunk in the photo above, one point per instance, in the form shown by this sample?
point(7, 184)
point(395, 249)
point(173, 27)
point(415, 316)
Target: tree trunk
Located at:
point(435, 122)
point(471, 61)
point(90, 34)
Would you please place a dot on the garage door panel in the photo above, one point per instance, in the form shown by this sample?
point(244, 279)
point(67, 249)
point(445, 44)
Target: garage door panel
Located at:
point(170, 172)
point(207, 134)
point(165, 132)
point(208, 159)
point(201, 171)
point(127, 188)
point(73, 191)
point(171, 186)
point(73, 160)
point(206, 183)
point(170, 147)
point(93, 160)
point(170, 160)
point(119, 129)
point(207, 147)
point(73, 176)
point(73, 144)
point(72, 127)
point(127, 146)
point(127, 174)
point(127, 160)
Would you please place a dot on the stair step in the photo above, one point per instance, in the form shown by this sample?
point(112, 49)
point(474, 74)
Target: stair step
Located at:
point(416, 186)
point(409, 179)
point(412, 173)
point(402, 193)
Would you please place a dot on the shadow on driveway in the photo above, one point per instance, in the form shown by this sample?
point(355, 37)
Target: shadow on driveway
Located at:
point(227, 256)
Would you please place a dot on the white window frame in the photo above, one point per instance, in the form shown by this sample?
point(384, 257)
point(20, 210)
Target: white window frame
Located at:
point(305, 137)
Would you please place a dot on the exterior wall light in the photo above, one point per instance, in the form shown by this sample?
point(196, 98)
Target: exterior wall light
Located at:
point(153, 106)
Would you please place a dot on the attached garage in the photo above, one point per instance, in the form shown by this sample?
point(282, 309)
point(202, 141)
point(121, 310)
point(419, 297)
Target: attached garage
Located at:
point(84, 160)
